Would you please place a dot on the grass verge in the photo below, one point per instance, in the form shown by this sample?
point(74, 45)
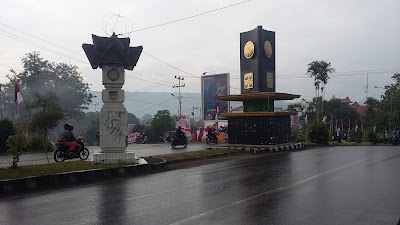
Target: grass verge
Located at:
point(53, 168)
point(197, 154)
point(70, 166)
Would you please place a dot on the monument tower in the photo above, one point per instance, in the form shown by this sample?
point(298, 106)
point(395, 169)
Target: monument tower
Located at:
point(113, 55)
point(258, 124)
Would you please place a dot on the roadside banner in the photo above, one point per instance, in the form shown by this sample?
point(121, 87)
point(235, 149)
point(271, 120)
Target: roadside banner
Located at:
point(183, 121)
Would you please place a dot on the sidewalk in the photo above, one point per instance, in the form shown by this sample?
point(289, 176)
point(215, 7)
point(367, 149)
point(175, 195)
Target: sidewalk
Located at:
point(140, 150)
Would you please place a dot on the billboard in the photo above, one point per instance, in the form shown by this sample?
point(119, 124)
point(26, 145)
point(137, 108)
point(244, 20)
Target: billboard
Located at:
point(212, 86)
point(183, 121)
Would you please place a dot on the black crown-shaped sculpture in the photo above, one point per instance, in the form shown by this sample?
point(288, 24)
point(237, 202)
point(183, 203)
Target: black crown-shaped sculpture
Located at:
point(112, 51)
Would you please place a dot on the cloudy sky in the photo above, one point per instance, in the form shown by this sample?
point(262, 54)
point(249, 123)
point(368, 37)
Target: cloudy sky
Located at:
point(359, 38)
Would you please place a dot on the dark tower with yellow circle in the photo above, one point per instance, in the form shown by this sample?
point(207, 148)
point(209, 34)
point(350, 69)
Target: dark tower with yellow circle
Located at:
point(258, 124)
point(257, 61)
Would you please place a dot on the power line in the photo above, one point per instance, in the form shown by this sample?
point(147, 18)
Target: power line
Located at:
point(148, 103)
point(79, 53)
point(58, 53)
point(23, 40)
point(176, 68)
point(289, 76)
point(151, 107)
point(190, 17)
point(147, 80)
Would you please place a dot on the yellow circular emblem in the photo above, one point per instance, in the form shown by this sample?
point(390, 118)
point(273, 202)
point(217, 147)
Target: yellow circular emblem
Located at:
point(268, 49)
point(248, 50)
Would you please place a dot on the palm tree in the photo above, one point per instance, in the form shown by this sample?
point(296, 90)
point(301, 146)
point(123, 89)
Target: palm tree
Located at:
point(320, 70)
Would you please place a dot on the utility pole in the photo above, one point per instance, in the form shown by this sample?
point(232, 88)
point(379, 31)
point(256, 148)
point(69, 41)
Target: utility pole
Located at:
point(366, 87)
point(193, 117)
point(179, 88)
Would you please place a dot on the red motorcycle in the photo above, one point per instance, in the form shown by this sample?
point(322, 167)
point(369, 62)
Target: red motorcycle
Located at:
point(60, 154)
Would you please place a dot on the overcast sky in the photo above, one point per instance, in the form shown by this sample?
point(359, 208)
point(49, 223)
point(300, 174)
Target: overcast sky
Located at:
point(352, 35)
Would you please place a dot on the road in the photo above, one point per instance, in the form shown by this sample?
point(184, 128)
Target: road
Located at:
point(332, 185)
point(139, 149)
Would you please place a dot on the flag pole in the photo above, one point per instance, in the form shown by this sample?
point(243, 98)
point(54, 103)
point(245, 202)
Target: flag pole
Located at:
point(26, 105)
point(216, 118)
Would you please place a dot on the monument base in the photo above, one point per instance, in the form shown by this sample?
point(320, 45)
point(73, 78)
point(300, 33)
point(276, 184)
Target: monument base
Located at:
point(112, 158)
point(259, 130)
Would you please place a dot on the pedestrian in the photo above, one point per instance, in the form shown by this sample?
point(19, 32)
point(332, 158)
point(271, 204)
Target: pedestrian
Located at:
point(98, 136)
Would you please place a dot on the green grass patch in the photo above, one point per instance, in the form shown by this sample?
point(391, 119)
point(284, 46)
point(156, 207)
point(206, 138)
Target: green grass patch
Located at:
point(53, 168)
point(310, 144)
point(70, 166)
point(197, 154)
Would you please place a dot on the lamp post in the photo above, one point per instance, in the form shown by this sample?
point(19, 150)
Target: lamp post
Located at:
point(180, 103)
point(193, 118)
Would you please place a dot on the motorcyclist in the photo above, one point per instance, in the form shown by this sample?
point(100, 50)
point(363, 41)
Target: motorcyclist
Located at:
point(394, 138)
point(67, 138)
point(144, 138)
point(179, 134)
point(211, 133)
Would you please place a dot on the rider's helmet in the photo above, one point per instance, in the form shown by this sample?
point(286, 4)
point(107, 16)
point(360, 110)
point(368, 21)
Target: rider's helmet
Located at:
point(179, 127)
point(68, 127)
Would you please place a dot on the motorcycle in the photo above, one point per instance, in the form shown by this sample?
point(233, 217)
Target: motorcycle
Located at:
point(60, 154)
point(394, 141)
point(211, 139)
point(176, 141)
point(143, 140)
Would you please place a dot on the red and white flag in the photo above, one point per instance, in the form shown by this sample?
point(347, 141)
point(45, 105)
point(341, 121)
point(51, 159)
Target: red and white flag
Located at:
point(17, 99)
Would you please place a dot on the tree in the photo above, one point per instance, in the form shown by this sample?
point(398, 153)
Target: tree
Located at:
point(296, 107)
point(374, 113)
point(161, 123)
point(16, 144)
point(138, 128)
point(6, 130)
point(320, 70)
point(132, 119)
point(48, 114)
point(41, 76)
point(391, 101)
point(91, 130)
point(146, 119)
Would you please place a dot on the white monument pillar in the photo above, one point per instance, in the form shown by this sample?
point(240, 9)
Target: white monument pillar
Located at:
point(113, 55)
point(113, 119)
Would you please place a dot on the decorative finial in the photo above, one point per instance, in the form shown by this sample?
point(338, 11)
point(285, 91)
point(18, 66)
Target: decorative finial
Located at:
point(115, 24)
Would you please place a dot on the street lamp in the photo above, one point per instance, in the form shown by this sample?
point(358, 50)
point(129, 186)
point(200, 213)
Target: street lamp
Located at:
point(193, 118)
point(180, 103)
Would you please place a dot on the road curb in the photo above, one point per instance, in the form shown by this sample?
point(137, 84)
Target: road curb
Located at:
point(70, 178)
point(266, 148)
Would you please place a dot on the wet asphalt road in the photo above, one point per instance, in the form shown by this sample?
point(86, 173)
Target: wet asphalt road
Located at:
point(335, 185)
point(140, 150)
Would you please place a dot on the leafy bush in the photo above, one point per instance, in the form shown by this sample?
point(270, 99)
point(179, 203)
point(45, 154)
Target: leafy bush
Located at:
point(35, 143)
point(371, 136)
point(298, 136)
point(6, 130)
point(356, 136)
point(16, 144)
point(318, 133)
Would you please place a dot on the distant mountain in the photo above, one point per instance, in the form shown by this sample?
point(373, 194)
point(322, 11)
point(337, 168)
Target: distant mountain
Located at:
point(141, 103)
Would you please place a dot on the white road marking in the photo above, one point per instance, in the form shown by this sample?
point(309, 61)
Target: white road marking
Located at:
point(191, 219)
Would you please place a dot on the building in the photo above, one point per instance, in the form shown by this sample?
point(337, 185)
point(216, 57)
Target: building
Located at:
point(361, 109)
